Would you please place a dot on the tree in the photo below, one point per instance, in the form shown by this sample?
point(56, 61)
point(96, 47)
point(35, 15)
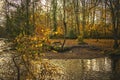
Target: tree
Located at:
point(76, 11)
point(54, 5)
point(83, 2)
point(114, 6)
point(18, 17)
point(64, 23)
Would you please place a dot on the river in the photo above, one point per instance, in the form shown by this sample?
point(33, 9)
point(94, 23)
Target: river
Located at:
point(103, 68)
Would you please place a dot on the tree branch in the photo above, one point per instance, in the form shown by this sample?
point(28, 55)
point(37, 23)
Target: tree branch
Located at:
point(11, 4)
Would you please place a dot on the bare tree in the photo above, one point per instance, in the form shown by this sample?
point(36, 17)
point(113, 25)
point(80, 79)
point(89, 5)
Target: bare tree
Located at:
point(76, 11)
point(54, 5)
point(64, 23)
point(114, 6)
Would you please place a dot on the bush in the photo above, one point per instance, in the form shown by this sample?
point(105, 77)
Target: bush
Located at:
point(37, 68)
point(80, 40)
point(55, 35)
point(31, 44)
point(71, 34)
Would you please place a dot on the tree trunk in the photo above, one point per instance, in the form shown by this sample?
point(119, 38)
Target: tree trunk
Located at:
point(64, 24)
point(83, 17)
point(116, 43)
point(76, 11)
point(27, 17)
point(114, 8)
point(115, 28)
point(54, 3)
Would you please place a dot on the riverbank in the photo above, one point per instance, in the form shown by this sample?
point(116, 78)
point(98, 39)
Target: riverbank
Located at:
point(92, 49)
point(77, 52)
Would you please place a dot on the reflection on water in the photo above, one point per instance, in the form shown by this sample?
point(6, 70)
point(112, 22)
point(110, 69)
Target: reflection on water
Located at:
point(100, 64)
point(85, 69)
point(74, 69)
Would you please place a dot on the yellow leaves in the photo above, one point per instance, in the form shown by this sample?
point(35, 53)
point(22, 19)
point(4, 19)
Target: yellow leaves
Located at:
point(93, 28)
point(36, 46)
point(32, 45)
point(60, 30)
point(17, 39)
point(56, 32)
point(54, 51)
point(45, 69)
point(40, 45)
point(42, 54)
point(34, 38)
point(42, 30)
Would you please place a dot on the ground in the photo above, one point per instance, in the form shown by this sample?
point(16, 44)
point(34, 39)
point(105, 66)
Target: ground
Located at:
point(92, 49)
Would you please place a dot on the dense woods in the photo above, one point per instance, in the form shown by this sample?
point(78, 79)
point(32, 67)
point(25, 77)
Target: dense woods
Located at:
point(39, 26)
point(62, 18)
